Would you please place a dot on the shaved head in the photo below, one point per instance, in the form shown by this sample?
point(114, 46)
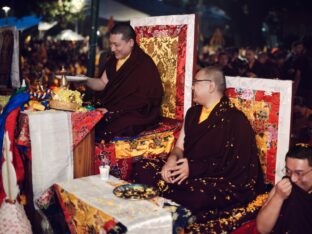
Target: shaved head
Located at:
point(216, 75)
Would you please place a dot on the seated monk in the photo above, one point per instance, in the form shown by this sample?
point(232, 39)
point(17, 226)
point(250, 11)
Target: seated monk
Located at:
point(214, 166)
point(289, 205)
point(131, 89)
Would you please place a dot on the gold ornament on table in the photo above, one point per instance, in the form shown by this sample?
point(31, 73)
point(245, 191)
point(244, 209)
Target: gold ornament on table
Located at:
point(64, 82)
point(65, 99)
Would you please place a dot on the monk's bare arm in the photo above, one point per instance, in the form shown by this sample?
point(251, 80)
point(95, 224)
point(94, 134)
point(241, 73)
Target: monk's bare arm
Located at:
point(269, 213)
point(97, 84)
point(177, 152)
point(174, 156)
point(181, 170)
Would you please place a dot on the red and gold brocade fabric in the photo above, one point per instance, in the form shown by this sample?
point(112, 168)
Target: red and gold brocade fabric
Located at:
point(166, 44)
point(121, 152)
point(83, 123)
point(84, 218)
point(267, 105)
point(261, 109)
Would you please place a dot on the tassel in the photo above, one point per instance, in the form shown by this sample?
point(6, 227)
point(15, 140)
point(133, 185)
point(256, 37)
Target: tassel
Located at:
point(8, 171)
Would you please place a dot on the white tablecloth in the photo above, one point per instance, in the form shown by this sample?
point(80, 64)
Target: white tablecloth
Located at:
point(139, 216)
point(51, 149)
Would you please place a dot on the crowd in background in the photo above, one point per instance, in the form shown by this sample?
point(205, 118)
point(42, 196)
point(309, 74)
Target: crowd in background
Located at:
point(46, 58)
point(294, 64)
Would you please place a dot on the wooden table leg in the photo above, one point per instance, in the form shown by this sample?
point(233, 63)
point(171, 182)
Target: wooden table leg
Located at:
point(84, 156)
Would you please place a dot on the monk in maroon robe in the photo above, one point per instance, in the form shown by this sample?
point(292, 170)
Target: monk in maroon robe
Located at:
point(214, 166)
point(289, 205)
point(131, 89)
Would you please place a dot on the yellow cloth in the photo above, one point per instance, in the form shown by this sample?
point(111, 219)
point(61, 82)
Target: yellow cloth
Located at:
point(84, 215)
point(120, 62)
point(206, 112)
point(145, 146)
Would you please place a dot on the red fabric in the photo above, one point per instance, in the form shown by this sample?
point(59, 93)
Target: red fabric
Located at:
point(247, 228)
point(83, 123)
point(105, 154)
point(122, 168)
point(23, 138)
point(109, 225)
point(65, 211)
point(264, 123)
point(10, 126)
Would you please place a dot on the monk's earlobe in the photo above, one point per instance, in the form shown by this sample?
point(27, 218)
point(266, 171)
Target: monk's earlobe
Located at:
point(131, 41)
point(212, 87)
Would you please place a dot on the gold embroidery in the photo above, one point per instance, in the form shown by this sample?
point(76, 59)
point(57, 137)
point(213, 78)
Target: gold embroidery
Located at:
point(145, 146)
point(164, 52)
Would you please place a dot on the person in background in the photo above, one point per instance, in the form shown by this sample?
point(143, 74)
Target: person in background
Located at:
point(268, 69)
point(254, 67)
point(223, 62)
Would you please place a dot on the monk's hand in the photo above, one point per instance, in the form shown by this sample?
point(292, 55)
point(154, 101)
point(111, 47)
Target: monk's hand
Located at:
point(167, 169)
point(283, 189)
point(181, 171)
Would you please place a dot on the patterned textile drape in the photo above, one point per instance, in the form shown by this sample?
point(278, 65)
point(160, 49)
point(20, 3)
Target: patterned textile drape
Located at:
point(170, 41)
point(267, 105)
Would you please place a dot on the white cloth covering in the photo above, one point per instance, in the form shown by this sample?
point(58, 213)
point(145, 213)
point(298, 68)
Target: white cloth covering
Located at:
point(51, 149)
point(139, 216)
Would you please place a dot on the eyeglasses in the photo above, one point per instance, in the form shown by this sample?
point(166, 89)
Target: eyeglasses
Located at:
point(196, 81)
point(299, 174)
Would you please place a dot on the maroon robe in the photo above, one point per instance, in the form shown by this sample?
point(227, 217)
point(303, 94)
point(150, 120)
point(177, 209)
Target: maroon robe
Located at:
point(132, 96)
point(296, 213)
point(225, 171)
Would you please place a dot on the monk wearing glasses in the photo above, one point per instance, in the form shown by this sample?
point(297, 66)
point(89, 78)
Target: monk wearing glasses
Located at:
point(214, 166)
point(289, 205)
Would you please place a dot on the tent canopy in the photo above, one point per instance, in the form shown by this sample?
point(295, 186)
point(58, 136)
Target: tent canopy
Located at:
point(20, 24)
point(69, 35)
point(44, 26)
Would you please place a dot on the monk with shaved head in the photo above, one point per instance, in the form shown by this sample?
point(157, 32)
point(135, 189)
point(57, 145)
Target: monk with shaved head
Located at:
point(214, 167)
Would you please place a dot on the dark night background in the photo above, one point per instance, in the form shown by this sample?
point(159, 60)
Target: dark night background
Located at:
point(247, 22)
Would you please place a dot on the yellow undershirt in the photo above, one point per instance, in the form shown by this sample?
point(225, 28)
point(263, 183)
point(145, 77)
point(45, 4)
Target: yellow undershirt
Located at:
point(120, 62)
point(205, 112)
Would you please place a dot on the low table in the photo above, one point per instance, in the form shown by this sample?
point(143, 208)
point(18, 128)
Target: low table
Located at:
point(83, 139)
point(89, 204)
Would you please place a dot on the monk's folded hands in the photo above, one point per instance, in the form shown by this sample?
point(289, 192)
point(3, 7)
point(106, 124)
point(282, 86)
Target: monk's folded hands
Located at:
point(181, 171)
point(167, 169)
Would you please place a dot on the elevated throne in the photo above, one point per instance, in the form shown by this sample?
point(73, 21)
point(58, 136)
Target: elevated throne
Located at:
point(170, 42)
